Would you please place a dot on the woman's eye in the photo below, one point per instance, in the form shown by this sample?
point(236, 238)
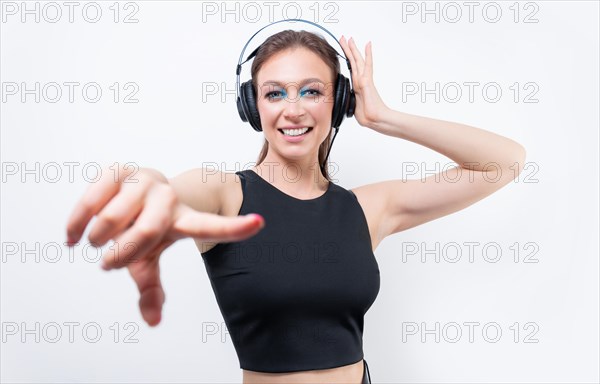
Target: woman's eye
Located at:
point(311, 92)
point(273, 94)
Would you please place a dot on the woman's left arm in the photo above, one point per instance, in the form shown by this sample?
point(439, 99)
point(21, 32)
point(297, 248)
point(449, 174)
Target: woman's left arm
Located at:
point(404, 204)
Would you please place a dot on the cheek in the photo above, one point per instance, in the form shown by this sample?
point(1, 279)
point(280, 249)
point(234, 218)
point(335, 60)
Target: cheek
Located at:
point(323, 109)
point(267, 110)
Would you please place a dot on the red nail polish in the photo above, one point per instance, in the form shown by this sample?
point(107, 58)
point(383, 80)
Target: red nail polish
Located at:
point(70, 242)
point(259, 219)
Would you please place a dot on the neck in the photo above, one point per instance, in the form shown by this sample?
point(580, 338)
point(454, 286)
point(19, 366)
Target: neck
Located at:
point(301, 178)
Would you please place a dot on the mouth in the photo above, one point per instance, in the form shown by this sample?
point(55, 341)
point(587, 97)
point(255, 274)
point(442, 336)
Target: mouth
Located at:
point(295, 132)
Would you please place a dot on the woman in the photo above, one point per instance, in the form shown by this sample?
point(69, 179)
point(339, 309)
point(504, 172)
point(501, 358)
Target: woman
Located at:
point(156, 211)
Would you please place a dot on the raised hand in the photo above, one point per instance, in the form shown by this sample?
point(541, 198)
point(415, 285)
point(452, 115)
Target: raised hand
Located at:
point(369, 105)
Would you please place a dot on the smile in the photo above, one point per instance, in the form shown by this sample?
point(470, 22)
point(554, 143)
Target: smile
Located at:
point(295, 132)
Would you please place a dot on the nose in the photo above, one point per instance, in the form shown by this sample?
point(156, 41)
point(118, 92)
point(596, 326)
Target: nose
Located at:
point(293, 107)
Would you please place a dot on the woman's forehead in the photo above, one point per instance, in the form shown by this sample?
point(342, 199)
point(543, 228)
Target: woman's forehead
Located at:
point(294, 65)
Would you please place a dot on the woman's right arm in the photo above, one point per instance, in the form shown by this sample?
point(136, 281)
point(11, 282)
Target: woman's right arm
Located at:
point(146, 216)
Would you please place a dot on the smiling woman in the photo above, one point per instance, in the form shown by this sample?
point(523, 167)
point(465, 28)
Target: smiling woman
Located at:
point(284, 333)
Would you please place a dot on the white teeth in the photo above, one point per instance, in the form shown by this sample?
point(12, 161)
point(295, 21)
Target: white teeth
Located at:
point(295, 132)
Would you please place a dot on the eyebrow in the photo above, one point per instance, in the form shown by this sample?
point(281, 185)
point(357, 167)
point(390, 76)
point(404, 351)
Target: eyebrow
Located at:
point(309, 80)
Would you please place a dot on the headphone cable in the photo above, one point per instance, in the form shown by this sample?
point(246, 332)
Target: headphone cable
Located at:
point(329, 150)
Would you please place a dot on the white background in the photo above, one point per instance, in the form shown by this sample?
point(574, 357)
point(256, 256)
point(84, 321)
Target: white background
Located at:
point(171, 52)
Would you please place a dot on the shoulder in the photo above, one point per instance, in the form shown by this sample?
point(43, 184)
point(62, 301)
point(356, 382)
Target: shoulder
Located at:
point(231, 193)
point(375, 198)
point(204, 189)
point(373, 207)
point(227, 190)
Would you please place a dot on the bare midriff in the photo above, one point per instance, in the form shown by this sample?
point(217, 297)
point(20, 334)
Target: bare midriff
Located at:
point(347, 374)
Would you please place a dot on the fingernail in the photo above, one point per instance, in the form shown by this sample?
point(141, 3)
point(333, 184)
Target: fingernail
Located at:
point(259, 219)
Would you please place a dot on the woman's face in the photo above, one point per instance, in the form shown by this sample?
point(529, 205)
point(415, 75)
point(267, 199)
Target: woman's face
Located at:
point(295, 89)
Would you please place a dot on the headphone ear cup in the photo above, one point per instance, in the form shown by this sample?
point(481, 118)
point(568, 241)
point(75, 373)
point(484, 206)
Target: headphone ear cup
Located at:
point(247, 103)
point(351, 104)
point(240, 108)
point(341, 102)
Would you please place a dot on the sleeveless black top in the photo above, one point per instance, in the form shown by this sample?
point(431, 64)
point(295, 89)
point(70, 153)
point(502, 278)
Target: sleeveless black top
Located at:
point(294, 295)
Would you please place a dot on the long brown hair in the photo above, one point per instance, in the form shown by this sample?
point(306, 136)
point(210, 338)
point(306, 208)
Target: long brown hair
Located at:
point(297, 39)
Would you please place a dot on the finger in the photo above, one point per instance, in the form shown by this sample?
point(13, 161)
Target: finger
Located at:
point(353, 64)
point(369, 58)
point(117, 214)
point(357, 56)
point(216, 228)
point(348, 53)
point(147, 278)
point(95, 197)
point(148, 230)
point(92, 201)
point(344, 45)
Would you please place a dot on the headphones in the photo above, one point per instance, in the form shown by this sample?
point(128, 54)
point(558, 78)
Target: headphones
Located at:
point(344, 101)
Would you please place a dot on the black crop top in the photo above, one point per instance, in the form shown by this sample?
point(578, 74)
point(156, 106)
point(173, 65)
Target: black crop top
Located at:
point(294, 295)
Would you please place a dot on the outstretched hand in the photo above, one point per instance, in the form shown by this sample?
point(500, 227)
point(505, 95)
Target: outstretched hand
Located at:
point(144, 218)
point(369, 105)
